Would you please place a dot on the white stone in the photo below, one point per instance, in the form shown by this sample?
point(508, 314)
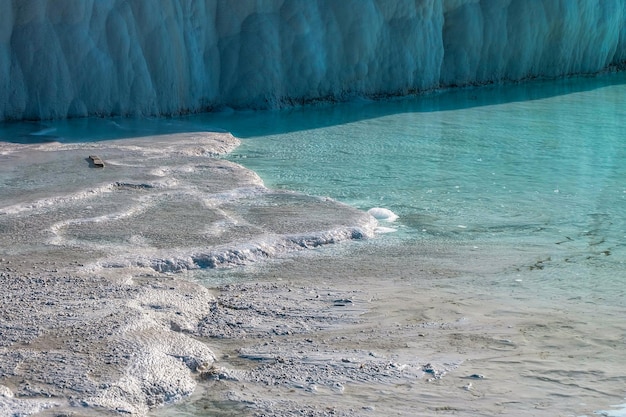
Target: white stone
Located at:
point(108, 57)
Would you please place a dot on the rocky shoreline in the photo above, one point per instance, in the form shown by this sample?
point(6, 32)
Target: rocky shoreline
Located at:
point(76, 341)
point(92, 319)
point(112, 300)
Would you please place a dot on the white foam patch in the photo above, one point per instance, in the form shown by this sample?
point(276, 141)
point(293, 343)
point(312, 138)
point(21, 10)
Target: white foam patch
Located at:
point(384, 214)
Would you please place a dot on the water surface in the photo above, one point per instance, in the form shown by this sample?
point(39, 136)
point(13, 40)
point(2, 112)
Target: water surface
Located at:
point(511, 207)
point(511, 197)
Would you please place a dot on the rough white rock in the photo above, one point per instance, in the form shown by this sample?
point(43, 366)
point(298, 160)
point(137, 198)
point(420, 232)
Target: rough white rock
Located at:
point(78, 57)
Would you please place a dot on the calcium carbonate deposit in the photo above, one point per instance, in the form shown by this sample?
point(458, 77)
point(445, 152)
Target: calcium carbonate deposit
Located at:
point(114, 57)
point(144, 273)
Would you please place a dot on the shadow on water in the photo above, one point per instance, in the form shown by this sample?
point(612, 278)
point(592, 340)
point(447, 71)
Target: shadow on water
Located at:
point(251, 124)
point(245, 124)
point(93, 129)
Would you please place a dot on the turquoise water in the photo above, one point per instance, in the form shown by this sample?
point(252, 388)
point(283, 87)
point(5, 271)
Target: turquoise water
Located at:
point(516, 193)
point(540, 165)
point(529, 162)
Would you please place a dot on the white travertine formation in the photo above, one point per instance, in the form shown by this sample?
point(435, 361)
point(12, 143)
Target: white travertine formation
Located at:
point(66, 58)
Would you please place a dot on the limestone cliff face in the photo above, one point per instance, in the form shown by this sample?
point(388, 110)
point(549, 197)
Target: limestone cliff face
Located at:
point(65, 58)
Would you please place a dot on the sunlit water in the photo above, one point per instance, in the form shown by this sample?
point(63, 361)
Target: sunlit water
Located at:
point(534, 171)
point(540, 165)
